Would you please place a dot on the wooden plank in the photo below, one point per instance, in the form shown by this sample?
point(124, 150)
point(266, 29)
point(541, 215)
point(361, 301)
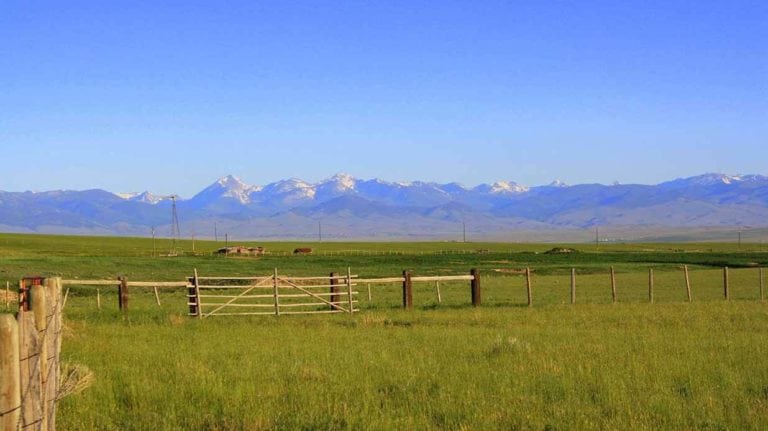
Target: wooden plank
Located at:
point(235, 278)
point(443, 278)
point(251, 305)
point(338, 307)
point(437, 291)
point(157, 296)
point(196, 283)
point(98, 299)
point(157, 283)
point(349, 290)
point(311, 278)
point(726, 291)
point(687, 283)
point(89, 282)
point(613, 286)
point(10, 382)
point(245, 292)
point(247, 286)
point(276, 293)
point(381, 280)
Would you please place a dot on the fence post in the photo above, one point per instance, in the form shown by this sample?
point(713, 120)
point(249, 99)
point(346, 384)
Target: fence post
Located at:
point(528, 286)
point(198, 301)
point(573, 285)
point(276, 293)
point(726, 294)
point(407, 290)
point(369, 292)
point(437, 290)
point(52, 341)
point(39, 307)
point(349, 290)
point(122, 293)
point(98, 299)
point(157, 296)
point(334, 281)
point(10, 379)
point(474, 286)
point(29, 370)
point(687, 282)
point(613, 285)
point(761, 285)
point(650, 285)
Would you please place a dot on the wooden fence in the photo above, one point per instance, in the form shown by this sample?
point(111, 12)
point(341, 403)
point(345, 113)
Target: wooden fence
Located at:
point(208, 296)
point(30, 343)
point(241, 296)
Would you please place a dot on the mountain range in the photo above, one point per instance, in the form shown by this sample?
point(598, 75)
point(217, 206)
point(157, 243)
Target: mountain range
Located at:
point(346, 207)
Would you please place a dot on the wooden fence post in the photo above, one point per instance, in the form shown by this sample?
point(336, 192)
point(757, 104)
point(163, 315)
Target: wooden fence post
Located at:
point(437, 291)
point(573, 285)
point(276, 293)
point(726, 293)
point(55, 307)
point(369, 292)
point(474, 286)
point(349, 290)
point(334, 281)
point(613, 286)
point(528, 290)
point(157, 296)
point(38, 305)
point(122, 293)
point(687, 283)
point(10, 379)
point(198, 301)
point(29, 370)
point(98, 299)
point(407, 290)
point(650, 285)
point(762, 298)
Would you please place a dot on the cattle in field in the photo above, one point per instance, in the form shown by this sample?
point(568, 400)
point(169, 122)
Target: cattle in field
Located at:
point(302, 250)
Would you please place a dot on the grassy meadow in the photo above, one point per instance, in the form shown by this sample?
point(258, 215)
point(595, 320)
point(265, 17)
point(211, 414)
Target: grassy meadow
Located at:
point(593, 365)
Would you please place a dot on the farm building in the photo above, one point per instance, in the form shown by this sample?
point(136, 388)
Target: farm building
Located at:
point(241, 251)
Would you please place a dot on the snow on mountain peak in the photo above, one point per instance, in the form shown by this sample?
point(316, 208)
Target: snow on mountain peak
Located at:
point(343, 181)
point(235, 188)
point(507, 187)
point(558, 183)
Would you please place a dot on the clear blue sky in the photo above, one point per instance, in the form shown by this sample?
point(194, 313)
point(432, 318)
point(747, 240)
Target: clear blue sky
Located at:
point(129, 96)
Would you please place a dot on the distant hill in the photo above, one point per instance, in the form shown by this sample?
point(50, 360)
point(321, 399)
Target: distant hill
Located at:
point(354, 208)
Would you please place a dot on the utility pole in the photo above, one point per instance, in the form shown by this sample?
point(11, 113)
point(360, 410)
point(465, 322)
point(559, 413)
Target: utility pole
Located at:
point(154, 252)
point(319, 231)
point(215, 232)
point(226, 240)
point(739, 240)
point(597, 236)
point(193, 243)
point(464, 230)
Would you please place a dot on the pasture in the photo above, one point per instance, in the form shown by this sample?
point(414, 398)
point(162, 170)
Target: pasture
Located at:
point(592, 365)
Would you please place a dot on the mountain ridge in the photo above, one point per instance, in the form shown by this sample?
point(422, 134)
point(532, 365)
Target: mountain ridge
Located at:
point(377, 208)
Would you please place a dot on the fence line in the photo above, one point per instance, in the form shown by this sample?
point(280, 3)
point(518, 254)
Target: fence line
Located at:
point(273, 287)
point(30, 346)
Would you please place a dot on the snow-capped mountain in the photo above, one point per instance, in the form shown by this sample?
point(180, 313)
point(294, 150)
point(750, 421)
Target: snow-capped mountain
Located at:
point(379, 208)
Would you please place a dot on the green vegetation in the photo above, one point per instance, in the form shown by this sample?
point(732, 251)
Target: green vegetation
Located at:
point(593, 365)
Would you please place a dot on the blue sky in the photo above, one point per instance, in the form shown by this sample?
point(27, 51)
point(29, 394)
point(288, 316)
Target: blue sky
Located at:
point(129, 96)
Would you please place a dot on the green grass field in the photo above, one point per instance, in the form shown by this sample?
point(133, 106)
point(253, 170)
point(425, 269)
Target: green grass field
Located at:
point(593, 365)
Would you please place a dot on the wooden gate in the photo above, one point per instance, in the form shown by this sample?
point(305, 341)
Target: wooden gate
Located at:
point(272, 294)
